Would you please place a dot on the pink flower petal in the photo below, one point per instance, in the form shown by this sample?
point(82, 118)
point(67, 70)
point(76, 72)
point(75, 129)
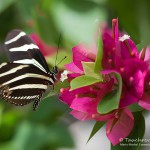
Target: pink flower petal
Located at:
point(86, 116)
point(145, 101)
point(138, 84)
point(120, 127)
point(80, 53)
point(116, 30)
point(68, 96)
point(131, 66)
point(125, 52)
point(106, 117)
point(109, 46)
point(85, 104)
point(73, 75)
point(145, 53)
point(73, 68)
point(80, 115)
point(127, 100)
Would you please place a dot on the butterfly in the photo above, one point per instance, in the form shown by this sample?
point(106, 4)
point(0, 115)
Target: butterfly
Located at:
point(26, 77)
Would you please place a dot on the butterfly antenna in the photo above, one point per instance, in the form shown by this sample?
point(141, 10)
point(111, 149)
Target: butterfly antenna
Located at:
point(57, 49)
point(61, 60)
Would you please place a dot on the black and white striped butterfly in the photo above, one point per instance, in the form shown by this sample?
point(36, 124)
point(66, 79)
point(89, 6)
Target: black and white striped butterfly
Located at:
point(26, 76)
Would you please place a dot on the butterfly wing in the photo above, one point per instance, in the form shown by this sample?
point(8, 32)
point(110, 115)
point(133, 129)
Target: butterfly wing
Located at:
point(21, 84)
point(21, 48)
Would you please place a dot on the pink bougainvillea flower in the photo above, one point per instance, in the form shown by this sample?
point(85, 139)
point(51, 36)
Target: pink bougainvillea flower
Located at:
point(45, 49)
point(81, 53)
point(84, 101)
point(133, 74)
point(115, 51)
point(121, 54)
point(116, 128)
point(145, 99)
point(145, 55)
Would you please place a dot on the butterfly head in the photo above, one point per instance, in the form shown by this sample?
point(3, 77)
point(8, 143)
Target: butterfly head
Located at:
point(55, 70)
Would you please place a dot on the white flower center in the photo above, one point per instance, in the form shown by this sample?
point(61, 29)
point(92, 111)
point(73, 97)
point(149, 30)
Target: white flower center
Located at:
point(64, 75)
point(124, 37)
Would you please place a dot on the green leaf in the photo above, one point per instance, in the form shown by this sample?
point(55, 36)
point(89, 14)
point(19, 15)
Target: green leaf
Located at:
point(98, 62)
point(5, 4)
point(33, 136)
point(45, 27)
point(61, 54)
point(110, 101)
point(137, 13)
point(1, 113)
point(50, 110)
point(132, 142)
point(84, 16)
point(83, 81)
point(57, 88)
point(9, 121)
point(135, 107)
point(25, 9)
point(60, 85)
point(89, 70)
point(120, 7)
point(15, 22)
point(96, 128)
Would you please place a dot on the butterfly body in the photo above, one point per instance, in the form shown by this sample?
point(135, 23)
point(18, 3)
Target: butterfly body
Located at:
point(26, 76)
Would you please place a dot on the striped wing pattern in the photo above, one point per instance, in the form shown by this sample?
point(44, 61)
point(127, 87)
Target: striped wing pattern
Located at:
point(22, 83)
point(21, 48)
point(26, 77)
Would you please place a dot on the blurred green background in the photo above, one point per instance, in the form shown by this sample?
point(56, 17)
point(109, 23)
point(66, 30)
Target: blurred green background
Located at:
point(77, 21)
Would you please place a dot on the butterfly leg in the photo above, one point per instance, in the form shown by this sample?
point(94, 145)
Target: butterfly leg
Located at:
point(52, 87)
point(37, 101)
point(36, 104)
